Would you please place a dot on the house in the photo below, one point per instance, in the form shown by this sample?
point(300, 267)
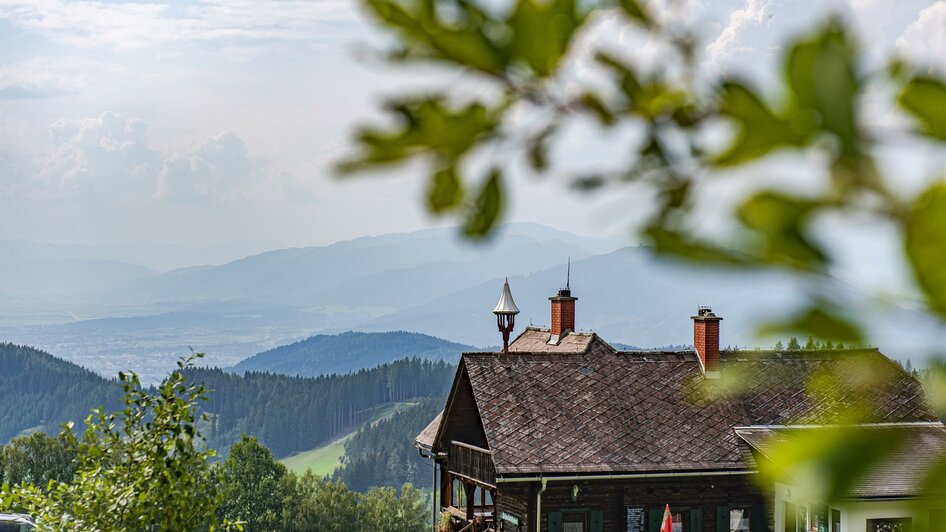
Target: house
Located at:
point(561, 432)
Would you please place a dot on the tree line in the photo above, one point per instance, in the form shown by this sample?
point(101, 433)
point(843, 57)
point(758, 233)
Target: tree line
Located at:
point(383, 453)
point(38, 392)
point(292, 414)
point(147, 467)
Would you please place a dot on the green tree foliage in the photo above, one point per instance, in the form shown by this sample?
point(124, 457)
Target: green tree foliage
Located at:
point(320, 504)
point(38, 391)
point(383, 453)
point(39, 458)
point(143, 468)
point(251, 486)
point(292, 414)
point(317, 504)
point(817, 109)
point(779, 345)
point(383, 511)
point(288, 414)
point(811, 344)
point(793, 344)
point(324, 354)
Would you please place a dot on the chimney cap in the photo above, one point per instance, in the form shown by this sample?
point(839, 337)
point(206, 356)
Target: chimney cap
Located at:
point(506, 305)
point(705, 313)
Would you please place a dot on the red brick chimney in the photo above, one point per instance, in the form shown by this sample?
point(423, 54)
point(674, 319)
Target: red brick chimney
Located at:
point(706, 340)
point(563, 313)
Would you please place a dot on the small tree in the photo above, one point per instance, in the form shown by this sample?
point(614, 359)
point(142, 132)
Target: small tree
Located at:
point(38, 458)
point(793, 344)
point(320, 504)
point(779, 346)
point(251, 486)
point(811, 344)
point(143, 468)
point(383, 511)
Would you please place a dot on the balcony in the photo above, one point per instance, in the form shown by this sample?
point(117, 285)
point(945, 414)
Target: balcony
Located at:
point(472, 462)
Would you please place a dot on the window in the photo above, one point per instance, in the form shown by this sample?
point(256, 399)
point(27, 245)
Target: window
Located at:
point(574, 521)
point(896, 524)
point(835, 520)
point(739, 519)
point(796, 517)
point(819, 517)
point(458, 494)
point(680, 520)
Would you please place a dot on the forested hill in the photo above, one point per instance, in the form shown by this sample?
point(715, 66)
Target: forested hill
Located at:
point(40, 392)
point(292, 414)
point(383, 453)
point(288, 414)
point(342, 353)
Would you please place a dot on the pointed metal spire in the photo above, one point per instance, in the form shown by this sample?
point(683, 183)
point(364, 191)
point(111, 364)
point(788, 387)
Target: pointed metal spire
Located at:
point(568, 275)
point(506, 305)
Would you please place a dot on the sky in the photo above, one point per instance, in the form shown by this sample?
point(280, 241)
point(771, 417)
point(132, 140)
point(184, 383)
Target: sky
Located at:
point(211, 121)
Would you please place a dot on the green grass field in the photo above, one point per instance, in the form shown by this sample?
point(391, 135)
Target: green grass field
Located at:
point(323, 460)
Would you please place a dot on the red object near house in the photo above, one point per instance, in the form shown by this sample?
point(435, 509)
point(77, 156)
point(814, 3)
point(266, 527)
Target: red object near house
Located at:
point(667, 524)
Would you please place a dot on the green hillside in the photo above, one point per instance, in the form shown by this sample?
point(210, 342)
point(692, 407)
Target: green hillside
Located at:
point(40, 392)
point(325, 459)
point(342, 353)
point(288, 414)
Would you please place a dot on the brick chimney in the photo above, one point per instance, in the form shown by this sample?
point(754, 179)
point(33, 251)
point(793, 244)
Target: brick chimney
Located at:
point(706, 340)
point(563, 314)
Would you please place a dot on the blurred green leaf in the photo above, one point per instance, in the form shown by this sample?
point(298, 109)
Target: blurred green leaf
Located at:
point(821, 74)
point(650, 98)
point(925, 240)
point(446, 190)
point(594, 104)
point(779, 220)
point(539, 148)
point(588, 183)
point(820, 320)
point(680, 245)
point(925, 99)
point(760, 129)
point(542, 31)
point(426, 126)
point(485, 211)
point(825, 463)
point(634, 10)
point(424, 34)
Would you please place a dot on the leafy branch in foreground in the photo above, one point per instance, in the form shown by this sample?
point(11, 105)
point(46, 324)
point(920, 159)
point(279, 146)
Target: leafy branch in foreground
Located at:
point(519, 54)
point(143, 468)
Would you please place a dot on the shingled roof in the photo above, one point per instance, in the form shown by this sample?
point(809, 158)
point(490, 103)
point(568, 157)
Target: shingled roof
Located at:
point(898, 475)
point(536, 340)
point(597, 410)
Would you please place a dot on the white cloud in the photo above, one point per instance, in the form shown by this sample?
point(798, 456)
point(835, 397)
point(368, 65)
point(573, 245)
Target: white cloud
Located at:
point(110, 158)
point(104, 156)
point(41, 77)
point(924, 40)
point(133, 25)
point(220, 170)
point(755, 13)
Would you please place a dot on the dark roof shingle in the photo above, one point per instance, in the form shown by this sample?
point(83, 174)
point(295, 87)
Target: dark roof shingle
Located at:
point(600, 410)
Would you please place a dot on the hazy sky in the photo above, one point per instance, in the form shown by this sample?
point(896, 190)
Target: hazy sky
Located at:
point(199, 122)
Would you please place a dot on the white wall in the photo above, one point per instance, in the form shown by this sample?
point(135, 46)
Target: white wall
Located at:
point(854, 514)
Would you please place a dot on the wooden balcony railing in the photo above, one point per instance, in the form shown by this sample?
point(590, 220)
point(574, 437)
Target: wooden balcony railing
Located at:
point(472, 462)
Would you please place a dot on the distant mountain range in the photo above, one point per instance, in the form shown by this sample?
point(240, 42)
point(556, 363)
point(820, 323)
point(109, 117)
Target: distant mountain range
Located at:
point(343, 353)
point(428, 282)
